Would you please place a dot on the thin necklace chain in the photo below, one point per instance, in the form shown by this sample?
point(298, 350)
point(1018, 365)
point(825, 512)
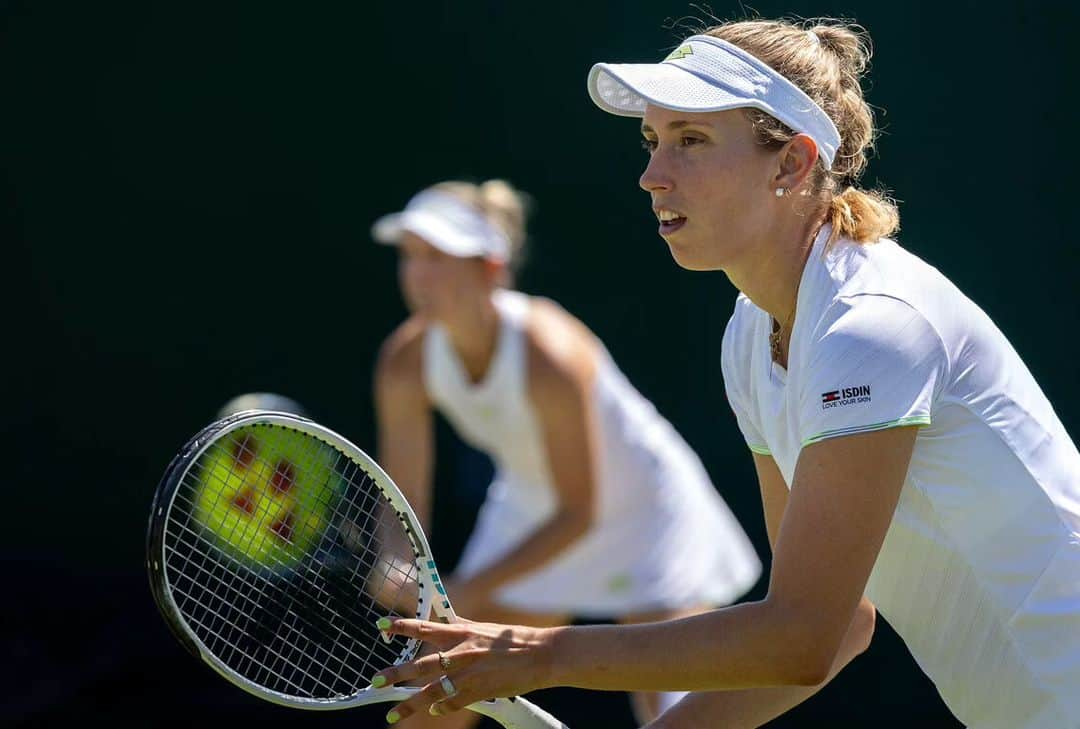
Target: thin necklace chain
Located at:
point(777, 334)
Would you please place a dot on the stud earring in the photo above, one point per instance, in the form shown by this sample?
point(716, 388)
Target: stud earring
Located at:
point(780, 192)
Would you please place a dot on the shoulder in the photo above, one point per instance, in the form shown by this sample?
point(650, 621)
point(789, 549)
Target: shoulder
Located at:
point(873, 330)
point(884, 320)
point(561, 351)
point(871, 292)
point(848, 269)
point(873, 362)
point(400, 358)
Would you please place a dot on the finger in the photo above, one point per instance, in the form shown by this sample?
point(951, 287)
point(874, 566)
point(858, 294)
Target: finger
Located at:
point(418, 703)
point(426, 668)
point(448, 706)
point(462, 698)
point(424, 630)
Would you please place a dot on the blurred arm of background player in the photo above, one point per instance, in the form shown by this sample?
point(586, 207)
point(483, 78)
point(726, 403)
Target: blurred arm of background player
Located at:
point(405, 435)
point(746, 708)
point(406, 450)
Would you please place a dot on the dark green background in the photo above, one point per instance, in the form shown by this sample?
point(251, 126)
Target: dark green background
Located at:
point(188, 189)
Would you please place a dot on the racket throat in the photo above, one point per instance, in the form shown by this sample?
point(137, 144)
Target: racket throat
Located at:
point(440, 602)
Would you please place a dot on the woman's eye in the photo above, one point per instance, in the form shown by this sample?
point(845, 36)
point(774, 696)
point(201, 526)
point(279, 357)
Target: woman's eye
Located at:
point(688, 141)
point(649, 145)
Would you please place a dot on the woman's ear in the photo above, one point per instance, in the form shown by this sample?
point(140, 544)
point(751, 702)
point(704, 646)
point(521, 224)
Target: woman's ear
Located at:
point(797, 159)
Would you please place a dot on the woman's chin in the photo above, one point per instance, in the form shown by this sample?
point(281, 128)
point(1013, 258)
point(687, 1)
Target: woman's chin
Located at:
point(688, 258)
point(697, 254)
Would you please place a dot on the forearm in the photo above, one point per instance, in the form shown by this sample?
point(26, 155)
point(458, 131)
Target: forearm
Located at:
point(539, 548)
point(404, 421)
point(748, 708)
point(750, 645)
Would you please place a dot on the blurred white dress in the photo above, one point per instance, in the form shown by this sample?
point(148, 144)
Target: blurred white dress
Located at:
point(663, 537)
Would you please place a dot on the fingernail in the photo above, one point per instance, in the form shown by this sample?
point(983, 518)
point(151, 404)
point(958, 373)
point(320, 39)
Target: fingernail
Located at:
point(434, 710)
point(393, 717)
point(383, 623)
point(378, 682)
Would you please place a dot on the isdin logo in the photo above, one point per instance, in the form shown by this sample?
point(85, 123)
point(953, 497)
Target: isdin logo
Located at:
point(845, 396)
point(680, 52)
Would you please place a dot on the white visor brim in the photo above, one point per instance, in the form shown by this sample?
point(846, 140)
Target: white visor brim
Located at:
point(709, 74)
point(626, 89)
point(447, 224)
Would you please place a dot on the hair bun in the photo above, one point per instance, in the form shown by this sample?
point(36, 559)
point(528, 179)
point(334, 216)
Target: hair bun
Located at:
point(849, 43)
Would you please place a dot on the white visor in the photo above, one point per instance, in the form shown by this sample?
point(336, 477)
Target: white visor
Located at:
point(446, 222)
point(710, 74)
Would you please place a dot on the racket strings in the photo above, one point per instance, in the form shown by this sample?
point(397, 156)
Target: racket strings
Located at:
point(280, 657)
point(365, 564)
point(280, 553)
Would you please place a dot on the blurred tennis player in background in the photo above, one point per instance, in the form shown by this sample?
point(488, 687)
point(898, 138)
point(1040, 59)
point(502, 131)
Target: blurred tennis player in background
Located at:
point(598, 508)
point(905, 453)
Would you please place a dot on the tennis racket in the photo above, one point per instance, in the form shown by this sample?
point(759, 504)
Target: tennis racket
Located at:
point(274, 545)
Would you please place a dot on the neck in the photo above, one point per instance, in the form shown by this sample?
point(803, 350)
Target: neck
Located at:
point(770, 277)
point(473, 332)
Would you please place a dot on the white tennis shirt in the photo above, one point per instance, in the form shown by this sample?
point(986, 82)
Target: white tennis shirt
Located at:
point(980, 570)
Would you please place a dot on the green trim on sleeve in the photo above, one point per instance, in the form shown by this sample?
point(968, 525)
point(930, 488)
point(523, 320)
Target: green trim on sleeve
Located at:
point(760, 450)
point(911, 420)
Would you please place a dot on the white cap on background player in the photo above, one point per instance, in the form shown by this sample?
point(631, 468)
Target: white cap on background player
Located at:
point(446, 222)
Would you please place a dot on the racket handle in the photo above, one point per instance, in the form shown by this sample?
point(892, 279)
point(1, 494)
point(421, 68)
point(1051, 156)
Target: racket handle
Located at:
point(517, 713)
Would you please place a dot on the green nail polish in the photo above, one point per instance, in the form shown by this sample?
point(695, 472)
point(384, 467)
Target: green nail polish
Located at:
point(378, 682)
point(393, 717)
point(383, 623)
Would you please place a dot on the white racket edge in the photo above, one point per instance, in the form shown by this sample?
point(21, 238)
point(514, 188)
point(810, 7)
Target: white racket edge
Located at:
point(514, 713)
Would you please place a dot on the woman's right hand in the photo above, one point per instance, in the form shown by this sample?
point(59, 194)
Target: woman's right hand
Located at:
point(483, 661)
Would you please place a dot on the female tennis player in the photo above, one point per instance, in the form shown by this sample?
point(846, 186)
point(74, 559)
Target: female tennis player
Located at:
point(598, 508)
point(907, 458)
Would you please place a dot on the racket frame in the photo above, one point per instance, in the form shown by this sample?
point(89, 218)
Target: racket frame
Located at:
point(512, 712)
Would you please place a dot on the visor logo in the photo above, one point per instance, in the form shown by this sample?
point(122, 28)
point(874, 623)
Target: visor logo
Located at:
point(680, 52)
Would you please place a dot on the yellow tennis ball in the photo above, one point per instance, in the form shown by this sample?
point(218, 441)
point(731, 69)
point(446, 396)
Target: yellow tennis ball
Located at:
point(265, 494)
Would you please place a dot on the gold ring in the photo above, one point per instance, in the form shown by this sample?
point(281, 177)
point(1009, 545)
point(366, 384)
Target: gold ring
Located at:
point(444, 662)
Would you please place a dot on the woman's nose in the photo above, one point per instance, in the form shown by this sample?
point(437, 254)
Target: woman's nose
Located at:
point(656, 177)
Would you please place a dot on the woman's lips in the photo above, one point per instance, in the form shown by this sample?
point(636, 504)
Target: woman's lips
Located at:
point(667, 227)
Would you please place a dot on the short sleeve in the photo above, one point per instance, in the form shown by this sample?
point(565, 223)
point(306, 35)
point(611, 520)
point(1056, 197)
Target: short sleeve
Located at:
point(734, 362)
point(873, 362)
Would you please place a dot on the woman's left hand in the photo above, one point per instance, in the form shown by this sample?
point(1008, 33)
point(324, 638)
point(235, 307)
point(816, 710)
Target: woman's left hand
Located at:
point(481, 661)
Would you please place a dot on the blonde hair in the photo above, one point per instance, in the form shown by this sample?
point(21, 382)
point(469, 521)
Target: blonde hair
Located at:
point(502, 204)
point(825, 58)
